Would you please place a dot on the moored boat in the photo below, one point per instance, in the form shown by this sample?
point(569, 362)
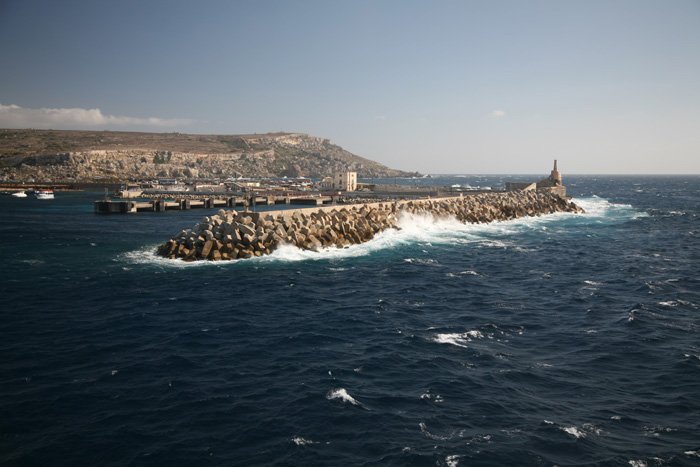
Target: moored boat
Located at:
point(19, 194)
point(44, 194)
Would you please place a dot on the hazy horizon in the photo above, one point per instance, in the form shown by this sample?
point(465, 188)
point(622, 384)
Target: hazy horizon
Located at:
point(460, 87)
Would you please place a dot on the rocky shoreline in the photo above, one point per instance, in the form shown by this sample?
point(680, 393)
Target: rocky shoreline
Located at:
point(234, 235)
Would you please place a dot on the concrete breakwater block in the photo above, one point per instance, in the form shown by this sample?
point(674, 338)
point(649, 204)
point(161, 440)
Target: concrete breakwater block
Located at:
point(231, 235)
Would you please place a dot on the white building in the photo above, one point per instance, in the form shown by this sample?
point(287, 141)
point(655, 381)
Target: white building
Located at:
point(345, 181)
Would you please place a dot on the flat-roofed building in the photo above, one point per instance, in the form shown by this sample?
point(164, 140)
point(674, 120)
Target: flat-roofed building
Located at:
point(345, 181)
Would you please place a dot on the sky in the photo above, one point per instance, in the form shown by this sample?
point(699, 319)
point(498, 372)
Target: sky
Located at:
point(435, 86)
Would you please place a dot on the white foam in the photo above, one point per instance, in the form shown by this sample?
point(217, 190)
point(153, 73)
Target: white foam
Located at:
point(639, 463)
point(576, 432)
point(572, 430)
point(675, 303)
point(462, 273)
point(425, 431)
point(459, 339)
point(147, 256)
point(599, 208)
point(657, 430)
point(420, 261)
point(343, 395)
point(452, 461)
point(389, 239)
point(436, 398)
point(299, 441)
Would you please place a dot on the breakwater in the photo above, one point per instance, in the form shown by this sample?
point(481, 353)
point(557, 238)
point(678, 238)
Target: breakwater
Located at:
point(238, 235)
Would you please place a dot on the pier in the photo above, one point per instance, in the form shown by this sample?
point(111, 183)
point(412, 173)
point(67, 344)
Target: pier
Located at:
point(108, 206)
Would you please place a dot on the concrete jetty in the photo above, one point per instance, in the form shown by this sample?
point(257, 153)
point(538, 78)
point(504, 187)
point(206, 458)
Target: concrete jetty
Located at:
point(183, 203)
point(234, 235)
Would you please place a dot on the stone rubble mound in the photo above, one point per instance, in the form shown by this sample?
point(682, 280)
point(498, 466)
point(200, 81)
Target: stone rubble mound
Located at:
point(238, 235)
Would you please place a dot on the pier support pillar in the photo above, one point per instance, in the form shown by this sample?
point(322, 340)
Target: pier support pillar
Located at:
point(159, 205)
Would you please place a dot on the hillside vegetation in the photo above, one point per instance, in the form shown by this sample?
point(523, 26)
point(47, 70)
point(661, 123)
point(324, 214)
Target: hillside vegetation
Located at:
point(80, 155)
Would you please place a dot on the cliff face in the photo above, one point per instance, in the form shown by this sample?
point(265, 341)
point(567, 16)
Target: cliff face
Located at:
point(49, 154)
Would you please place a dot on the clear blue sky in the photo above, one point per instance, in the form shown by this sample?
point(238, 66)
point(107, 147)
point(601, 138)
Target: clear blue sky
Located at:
point(434, 86)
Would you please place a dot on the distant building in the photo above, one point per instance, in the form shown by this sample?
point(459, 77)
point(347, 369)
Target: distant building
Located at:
point(243, 186)
point(210, 188)
point(343, 181)
point(551, 184)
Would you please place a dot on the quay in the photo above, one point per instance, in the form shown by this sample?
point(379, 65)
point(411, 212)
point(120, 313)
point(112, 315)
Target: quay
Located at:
point(108, 206)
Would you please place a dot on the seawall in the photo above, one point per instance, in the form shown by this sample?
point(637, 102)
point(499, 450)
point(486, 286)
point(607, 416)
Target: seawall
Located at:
point(237, 235)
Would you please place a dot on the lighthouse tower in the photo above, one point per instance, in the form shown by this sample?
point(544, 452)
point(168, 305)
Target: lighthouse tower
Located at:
point(555, 176)
point(551, 184)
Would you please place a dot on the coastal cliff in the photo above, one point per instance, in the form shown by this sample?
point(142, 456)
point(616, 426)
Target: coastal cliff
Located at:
point(234, 235)
point(79, 155)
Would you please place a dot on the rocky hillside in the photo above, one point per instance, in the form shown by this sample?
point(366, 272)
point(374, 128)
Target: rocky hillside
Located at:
point(65, 155)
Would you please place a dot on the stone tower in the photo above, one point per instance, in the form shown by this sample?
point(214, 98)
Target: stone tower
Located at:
point(551, 184)
point(555, 176)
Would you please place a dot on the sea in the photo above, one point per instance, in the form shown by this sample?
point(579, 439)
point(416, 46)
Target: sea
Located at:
point(566, 339)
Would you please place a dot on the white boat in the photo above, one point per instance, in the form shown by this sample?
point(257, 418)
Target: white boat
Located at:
point(19, 194)
point(44, 194)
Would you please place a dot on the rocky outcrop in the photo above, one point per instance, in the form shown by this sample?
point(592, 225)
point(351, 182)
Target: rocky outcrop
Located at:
point(116, 155)
point(237, 235)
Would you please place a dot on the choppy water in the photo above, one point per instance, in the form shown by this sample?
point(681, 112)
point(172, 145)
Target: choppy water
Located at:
point(565, 339)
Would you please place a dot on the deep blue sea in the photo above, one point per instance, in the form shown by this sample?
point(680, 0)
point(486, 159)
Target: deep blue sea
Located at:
point(564, 340)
